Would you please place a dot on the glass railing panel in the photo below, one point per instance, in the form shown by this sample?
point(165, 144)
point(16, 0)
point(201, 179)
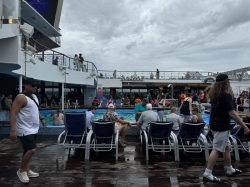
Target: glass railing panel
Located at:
point(10, 11)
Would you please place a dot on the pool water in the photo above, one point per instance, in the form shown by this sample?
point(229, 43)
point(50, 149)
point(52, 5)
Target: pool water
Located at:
point(128, 114)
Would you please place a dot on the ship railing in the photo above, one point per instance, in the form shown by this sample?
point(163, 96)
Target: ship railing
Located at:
point(163, 75)
point(48, 56)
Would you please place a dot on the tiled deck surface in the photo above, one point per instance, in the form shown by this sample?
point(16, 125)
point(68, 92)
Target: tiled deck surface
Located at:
point(102, 170)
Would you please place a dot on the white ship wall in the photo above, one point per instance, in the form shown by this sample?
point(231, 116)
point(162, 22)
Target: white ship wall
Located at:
point(239, 86)
point(9, 48)
point(9, 30)
point(48, 72)
point(12, 61)
point(110, 83)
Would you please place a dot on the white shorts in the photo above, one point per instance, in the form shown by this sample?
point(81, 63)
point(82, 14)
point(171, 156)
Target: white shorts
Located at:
point(118, 127)
point(221, 140)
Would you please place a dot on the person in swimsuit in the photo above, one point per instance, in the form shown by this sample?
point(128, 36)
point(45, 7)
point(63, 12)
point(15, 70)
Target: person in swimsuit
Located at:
point(161, 107)
point(186, 107)
point(58, 118)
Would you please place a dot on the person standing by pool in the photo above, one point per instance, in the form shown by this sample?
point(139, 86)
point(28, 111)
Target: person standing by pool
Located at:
point(222, 111)
point(139, 108)
point(182, 96)
point(137, 100)
point(110, 101)
point(24, 123)
point(58, 118)
point(201, 97)
point(240, 103)
point(195, 99)
point(186, 107)
point(161, 107)
point(95, 102)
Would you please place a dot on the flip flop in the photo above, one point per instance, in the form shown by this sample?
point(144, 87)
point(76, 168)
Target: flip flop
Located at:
point(237, 171)
point(214, 180)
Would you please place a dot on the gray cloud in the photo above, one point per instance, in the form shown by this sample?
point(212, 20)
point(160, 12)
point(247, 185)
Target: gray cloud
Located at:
point(131, 45)
point(208, 35)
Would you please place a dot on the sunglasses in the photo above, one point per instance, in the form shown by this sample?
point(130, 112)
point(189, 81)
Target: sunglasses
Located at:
point(33, 85)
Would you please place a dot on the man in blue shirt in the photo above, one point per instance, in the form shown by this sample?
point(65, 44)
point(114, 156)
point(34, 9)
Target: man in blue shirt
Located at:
point(140, 107)
point(90, 116)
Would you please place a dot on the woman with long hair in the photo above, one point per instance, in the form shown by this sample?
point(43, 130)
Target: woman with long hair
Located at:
point(222, 110)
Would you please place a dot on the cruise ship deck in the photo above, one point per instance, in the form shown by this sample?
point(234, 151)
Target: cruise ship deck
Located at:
point(102, 170)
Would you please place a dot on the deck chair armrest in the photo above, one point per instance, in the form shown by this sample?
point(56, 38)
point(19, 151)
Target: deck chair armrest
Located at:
point(173, 136)
point(175, 139)
point(203, 137)
point(234, 141)
point(117, 136)
point(235, 147)
point(145, 136)
point(88, 139)
point(59, 137)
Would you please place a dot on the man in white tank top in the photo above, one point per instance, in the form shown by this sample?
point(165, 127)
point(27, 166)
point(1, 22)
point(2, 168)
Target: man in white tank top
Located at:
point(24, 123)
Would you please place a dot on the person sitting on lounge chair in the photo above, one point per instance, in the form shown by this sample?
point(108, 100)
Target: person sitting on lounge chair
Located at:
point(120, 124)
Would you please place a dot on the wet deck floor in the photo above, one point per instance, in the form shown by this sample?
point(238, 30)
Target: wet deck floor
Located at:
point(102, 170)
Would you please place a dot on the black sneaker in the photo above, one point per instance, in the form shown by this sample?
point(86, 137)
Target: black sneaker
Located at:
point(236, 172)
point(214, 180)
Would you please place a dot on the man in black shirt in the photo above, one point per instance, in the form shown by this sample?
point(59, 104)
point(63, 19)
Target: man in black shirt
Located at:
point(81, 65)
point(222, 111)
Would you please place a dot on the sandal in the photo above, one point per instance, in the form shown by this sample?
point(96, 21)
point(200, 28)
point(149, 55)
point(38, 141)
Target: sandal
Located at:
point(214, 180)
point(236, 172)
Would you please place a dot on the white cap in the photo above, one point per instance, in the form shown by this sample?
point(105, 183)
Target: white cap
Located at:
point(111, 106)
point(149, 106)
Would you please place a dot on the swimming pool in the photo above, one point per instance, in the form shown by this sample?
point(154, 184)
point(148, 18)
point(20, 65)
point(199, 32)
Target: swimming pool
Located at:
point(128, 114)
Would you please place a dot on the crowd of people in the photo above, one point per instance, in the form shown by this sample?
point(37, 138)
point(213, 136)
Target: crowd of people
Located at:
point(25, 124)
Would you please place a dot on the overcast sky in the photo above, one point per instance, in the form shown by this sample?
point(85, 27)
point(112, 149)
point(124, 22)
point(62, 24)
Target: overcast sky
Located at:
point(206, 35)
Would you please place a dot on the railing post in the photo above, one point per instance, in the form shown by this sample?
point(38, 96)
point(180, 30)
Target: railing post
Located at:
point(43, 56)
point(69, 64)
point(62, 97)
point(21, 83)
point(53, 57)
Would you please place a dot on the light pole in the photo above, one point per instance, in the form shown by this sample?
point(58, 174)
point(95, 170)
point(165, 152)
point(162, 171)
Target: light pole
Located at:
point(170, 85)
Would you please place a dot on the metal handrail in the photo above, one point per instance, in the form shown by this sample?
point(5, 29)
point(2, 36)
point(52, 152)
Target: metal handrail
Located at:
point(170, 75)
point(46, 55)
